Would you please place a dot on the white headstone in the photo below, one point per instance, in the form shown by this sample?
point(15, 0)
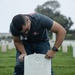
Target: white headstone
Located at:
point(10, 46)
point(53, 36)
point(73, 51)
point(0, 44)
point(3, 46)
point(37, 64)
point(64, 48)
point(51, 43)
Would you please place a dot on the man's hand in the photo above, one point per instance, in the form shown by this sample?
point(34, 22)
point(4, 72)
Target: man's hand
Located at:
point(21, 57)
point(50, 54)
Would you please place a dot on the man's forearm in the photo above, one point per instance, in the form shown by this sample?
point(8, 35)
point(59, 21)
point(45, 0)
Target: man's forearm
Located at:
point(20, 47)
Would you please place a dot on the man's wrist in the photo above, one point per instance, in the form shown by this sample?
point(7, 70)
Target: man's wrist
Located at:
point(55, 49)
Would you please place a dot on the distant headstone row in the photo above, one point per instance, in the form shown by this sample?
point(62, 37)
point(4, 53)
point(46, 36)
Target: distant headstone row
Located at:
point(10, 45)
point(65, 44)
point(6, 45)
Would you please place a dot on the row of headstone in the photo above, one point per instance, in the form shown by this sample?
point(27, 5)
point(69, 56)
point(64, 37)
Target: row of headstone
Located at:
point(64, 45)
point(6, 45)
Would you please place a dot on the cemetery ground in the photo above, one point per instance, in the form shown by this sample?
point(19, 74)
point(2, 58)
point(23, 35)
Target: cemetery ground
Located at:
point(63, 63)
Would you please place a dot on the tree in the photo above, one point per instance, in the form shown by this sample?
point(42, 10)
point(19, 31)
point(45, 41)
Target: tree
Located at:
point(50, 9)
point(52, 4)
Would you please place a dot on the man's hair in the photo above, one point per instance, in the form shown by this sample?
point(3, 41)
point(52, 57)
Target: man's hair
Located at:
point(18, 21)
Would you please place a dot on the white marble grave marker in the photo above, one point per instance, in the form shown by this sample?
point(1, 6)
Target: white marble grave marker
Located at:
point(37, 64)
point(3, 46)
point(64, 48)
point(0, 44)
point(53, 37)
point(73, 51)
point(10, 46)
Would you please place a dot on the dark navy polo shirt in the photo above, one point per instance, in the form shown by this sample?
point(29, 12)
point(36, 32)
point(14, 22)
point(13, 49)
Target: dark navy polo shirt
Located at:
point(40, 25)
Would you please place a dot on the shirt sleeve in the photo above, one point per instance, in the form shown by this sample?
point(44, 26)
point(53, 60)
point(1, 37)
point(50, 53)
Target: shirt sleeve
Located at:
point(46, 21)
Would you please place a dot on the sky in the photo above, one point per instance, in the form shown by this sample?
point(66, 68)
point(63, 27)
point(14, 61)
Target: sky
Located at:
point(10, 8)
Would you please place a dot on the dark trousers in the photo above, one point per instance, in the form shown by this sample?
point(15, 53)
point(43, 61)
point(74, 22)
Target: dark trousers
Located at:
point(39, 47)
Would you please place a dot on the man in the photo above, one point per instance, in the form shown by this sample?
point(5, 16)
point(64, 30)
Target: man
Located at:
point(30, 35)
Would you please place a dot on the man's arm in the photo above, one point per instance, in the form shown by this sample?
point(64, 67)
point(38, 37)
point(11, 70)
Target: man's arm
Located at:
point(19, 46)
point(60, 35)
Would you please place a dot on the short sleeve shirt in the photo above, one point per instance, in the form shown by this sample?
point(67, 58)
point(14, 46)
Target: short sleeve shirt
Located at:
point(40, 25)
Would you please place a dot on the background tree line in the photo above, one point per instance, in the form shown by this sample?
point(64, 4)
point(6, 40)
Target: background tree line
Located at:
point(51, 9)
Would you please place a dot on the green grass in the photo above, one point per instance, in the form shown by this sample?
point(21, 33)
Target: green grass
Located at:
point(7, 62)
point(63, 63)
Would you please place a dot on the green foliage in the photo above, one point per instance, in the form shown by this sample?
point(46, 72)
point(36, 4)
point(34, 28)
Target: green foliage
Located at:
point(50, 9)
point(52, 4)
point(70, 35)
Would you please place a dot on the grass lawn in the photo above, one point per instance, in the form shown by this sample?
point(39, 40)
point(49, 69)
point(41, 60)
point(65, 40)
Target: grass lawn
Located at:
point(7, 62)
point(63, 63)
